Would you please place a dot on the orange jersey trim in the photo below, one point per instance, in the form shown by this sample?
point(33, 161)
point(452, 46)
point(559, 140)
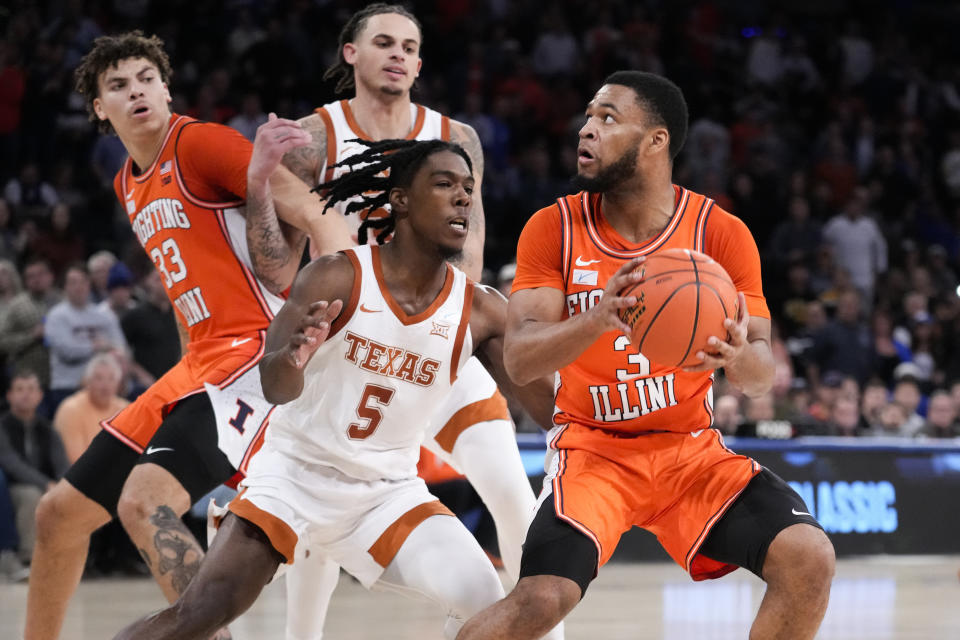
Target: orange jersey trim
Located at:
point(558, 507)
point(445, 128)
point(461, 330)
point(281, 536)
point(351, 305)
point(331, 142)
point(363, 135)
point(385, 548)
point(398, 311)
point(145, 175)
point(492, 408)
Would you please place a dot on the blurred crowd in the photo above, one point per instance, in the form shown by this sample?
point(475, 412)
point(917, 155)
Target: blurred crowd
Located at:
point(831, 128)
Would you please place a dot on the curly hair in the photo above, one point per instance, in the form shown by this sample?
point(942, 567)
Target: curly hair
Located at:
point(383, 165)
point(107, 53)
point(341, 69)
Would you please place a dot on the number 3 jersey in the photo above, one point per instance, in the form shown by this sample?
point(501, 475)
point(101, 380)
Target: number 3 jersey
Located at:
point(186, 209)
point(571, 247)
point(372, 387)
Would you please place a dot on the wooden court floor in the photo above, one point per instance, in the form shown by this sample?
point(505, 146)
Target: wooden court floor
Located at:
point(875, 598)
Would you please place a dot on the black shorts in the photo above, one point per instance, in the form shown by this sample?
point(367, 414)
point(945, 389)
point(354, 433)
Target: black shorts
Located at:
point(741, 537)
point(185, 445)
point(765, 508)
point(554, 548)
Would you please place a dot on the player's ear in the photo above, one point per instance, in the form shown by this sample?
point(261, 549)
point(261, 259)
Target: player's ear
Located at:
point(98, 109)
point(398, 202)
point(166, 93)
point(659, 140)
point(350, 53)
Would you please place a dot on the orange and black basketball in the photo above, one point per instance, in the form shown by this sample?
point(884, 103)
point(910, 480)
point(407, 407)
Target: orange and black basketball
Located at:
point(683, 299)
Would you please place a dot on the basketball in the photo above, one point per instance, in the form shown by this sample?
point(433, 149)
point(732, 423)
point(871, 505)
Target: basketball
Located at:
point(683, 300)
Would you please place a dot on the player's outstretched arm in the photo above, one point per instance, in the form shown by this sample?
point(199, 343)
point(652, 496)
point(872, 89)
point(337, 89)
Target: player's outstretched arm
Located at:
point(328, 233)
point(302, 324)
point(472, 260)
point(539, 340)
point(487, 323)
point(275, 248)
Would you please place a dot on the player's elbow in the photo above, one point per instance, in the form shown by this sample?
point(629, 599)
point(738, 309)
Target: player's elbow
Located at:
point(518, 367)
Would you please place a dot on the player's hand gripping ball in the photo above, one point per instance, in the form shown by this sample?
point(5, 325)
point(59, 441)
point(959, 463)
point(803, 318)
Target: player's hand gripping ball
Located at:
point(682, 300)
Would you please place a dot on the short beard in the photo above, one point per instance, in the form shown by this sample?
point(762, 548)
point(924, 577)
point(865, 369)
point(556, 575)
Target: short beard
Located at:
point(610, 177)
point(451, 254)
point(391, 91)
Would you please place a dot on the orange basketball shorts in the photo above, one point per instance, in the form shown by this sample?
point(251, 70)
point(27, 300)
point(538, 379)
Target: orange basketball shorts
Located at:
point(216, 361)
point(675, 485)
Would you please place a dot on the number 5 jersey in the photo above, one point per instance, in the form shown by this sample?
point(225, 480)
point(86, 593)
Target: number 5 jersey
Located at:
point(372, 387)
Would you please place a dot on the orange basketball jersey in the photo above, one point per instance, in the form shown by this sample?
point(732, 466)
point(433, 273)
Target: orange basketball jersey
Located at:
point(186, 210)
point(570, 246)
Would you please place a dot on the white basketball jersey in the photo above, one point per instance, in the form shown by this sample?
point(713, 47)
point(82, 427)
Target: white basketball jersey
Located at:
point(341, 126)
point(370, 390)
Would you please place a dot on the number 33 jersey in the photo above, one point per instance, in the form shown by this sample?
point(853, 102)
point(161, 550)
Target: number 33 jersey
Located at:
point(186, 210)
point(371, 388)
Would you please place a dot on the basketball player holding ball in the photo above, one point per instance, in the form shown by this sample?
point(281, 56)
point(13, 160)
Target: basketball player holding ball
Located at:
point(632, 445)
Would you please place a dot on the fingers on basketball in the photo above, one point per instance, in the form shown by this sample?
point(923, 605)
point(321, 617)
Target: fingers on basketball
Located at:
point(682, 300)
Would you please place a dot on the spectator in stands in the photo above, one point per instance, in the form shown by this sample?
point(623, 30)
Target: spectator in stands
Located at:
point(887, 352)
point(98, 266)
point(78, 417)
point(760, 408)
point(825, 396)
point(893, 417)
point(76, 330)
point(858, 245)
point(906, 394)
point(31, 454)
point(106, 159)
point(9, 246)
point(941, 417)
point(21, 327)
point(796, 239)
point(727, 416)
point(844, 345)
point(251, 116)
point(59, 242)
point(555, 51)
point(119, 298)
point(11, 567)
point(872, 402)
point(150, 329)
point(10, 285)
point(28, 194)
point(857, 54)
point(844, 417)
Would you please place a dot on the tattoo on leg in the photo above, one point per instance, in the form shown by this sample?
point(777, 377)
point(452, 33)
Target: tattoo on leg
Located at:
point(177, 552)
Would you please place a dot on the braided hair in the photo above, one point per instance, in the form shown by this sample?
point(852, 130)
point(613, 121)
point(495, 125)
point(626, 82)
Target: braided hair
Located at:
point(341, 69)
point(399, 160)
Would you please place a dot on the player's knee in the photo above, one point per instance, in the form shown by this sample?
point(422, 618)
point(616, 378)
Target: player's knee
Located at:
point(820, 562)
point(49, 517)
point(545, 600)
point(134, 508)
point(57, 517)
point(468, 597)
point(801, 556)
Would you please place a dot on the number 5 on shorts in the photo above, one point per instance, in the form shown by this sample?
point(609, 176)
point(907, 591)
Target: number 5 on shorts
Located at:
point(374, 397)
